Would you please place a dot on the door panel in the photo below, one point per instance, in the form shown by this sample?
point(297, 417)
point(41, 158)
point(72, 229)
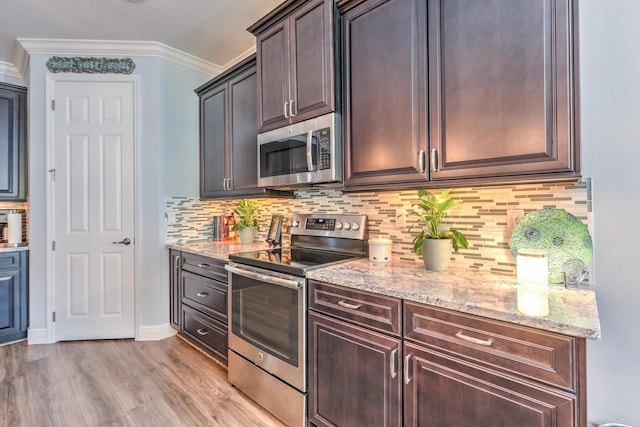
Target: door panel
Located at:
point(273, 72)
point(93, 198)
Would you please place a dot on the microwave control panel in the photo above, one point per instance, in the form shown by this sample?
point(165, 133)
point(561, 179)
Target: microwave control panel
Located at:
point(324, 148)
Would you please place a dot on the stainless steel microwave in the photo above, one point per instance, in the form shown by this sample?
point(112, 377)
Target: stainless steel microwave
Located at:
point(308, 152)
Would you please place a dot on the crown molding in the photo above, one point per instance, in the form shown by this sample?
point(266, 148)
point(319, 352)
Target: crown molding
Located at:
point(247, 53)
point(10, 70)
point(111, 48)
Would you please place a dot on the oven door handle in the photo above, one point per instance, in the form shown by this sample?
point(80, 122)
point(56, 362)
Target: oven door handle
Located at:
point(291, 284)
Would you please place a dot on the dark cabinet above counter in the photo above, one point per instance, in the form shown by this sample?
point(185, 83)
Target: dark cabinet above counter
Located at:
point(13, 142)
point(443, 93)
point(296, 62)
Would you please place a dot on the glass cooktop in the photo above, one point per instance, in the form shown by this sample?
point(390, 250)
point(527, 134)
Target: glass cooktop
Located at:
point(291, 260)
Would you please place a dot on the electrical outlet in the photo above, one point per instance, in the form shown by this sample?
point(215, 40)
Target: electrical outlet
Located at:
point(401, 218)
point(513, 216)
point(171, 218)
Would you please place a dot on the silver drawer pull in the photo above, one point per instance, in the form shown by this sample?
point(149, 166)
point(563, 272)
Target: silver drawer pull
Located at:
point(407, 378)
point(203, 265)
point(347, 305)
point(2, 279)
point(202, 332)
point(202, 294)
point(392, 363)
point(486, 343)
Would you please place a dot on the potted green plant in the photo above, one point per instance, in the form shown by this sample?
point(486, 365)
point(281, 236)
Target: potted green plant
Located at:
point(434, 241)
point(248, 222)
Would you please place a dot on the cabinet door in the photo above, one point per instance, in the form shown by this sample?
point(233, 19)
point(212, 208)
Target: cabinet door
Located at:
point(444, 391)
point(312, 60)
point(13, 296)
point(12, 143)
point(213, 118)
point(354, 375)
point(384, 78)
point(175, 292)
point(273, 76)
point(501, 87)
point(243, 134)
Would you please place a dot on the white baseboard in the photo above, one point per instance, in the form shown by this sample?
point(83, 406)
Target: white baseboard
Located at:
point(155, 333)
point(37, 336)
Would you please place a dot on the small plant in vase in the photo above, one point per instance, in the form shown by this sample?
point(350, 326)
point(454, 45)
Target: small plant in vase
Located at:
point(248, 222)
point(434, 241)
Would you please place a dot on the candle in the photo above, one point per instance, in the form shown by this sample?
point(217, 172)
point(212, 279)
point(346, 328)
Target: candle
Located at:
point(533, 279)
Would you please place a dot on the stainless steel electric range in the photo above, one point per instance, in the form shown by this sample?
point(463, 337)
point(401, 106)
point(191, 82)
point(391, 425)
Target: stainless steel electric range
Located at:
point(268, 300)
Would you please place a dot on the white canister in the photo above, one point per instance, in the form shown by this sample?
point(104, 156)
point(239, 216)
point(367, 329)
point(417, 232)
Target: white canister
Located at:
point(380, 249)
point(14, 224)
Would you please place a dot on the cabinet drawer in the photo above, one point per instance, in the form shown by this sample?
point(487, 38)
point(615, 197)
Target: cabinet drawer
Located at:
point(539, 355)
point(9, 260)
point(204, 266)
point(204, 294)
point(374, 311)
point(208, 333)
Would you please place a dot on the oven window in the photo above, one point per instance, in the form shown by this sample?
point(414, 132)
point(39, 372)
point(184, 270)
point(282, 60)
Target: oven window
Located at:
point(287, 156)
point(266, 316)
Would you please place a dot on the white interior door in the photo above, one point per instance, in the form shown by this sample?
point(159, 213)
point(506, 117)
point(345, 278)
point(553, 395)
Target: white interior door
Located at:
point(93, 208)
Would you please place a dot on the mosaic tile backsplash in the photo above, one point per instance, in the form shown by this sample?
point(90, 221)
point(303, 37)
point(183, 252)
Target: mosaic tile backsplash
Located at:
point(481, 216)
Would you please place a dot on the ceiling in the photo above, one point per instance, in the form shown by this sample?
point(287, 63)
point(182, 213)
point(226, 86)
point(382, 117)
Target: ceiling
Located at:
point(212, 30)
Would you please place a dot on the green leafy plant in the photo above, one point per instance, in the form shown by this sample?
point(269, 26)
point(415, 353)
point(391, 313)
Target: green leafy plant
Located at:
point(432, 209)
point(247, 213)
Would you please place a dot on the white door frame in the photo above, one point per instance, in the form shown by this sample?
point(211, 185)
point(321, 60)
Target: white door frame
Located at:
point(50, 81)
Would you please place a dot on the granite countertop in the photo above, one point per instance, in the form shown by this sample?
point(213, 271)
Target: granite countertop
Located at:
point(14, 247)
point(572, 311)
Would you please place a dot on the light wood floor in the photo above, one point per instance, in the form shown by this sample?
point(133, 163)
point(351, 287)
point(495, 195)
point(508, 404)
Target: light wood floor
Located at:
point(119, 383)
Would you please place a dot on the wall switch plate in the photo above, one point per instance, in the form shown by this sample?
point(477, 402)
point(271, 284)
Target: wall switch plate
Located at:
point(513, 216)
point(171, 218)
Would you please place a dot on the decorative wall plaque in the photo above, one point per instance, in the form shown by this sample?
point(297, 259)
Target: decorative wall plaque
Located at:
point(57, 64)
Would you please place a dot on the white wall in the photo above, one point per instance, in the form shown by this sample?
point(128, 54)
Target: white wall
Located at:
point(167, 121)
point(610, 91)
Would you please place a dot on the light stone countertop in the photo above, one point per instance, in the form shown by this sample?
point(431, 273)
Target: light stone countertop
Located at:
point(572, 311)
point(6, 247)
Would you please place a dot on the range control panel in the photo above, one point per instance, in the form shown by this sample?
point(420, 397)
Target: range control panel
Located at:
point(330, 225)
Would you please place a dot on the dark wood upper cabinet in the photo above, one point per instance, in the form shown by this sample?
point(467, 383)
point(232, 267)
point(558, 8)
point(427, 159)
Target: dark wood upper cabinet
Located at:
point(296, 62)
point(502, 87)
point(384, 63)
point(13, 142)
point(228, 134)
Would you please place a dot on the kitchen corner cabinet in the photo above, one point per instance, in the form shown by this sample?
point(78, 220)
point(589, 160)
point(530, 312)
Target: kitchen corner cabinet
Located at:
point(503, 88)
point(296, 62)
point(354, 372)
point(199, 299)
point(13, 142)
point(442, 92)
point(13, 295)
point(228, 134)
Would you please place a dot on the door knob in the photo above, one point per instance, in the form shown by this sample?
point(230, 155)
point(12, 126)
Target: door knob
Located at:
point(125, 241)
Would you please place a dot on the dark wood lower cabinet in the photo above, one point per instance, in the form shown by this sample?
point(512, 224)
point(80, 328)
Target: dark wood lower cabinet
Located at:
point(13, 295)
point(354, 375)
point(441, 390)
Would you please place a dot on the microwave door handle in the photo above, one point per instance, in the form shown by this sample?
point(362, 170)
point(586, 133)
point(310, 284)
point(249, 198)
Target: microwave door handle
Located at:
point(291, 284)
point(309, 154)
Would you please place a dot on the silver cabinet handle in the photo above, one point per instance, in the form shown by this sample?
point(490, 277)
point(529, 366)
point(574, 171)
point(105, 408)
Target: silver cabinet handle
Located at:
point(287, 283)
point(126, 241)
point(202, 294)
point(392, 363)
point(291, 113)
point(224, 184)
point(229, 184)
point(177, 261)
point(286, 116)
point(407, 378)
point(350, 306)
point(202, 332)
point(2, 279)
point(421, 160)
point(204, 265)
point(486, 343)
point(434, 160)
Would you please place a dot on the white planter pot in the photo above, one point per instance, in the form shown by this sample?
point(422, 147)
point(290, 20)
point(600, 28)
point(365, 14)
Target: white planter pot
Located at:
point(248, 235)
point(436, 254)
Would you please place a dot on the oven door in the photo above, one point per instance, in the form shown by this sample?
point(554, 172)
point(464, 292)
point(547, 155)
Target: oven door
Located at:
point(267, 321)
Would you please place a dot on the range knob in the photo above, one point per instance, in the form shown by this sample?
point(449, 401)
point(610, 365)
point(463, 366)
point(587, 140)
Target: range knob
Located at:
point(338, 226)
point(293, 223)
point(355, 226)
point(346, 226)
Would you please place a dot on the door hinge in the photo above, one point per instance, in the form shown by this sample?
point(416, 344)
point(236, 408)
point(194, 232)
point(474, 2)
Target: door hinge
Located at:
point(53, 104)
point(53, 245)
point(54, 316)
